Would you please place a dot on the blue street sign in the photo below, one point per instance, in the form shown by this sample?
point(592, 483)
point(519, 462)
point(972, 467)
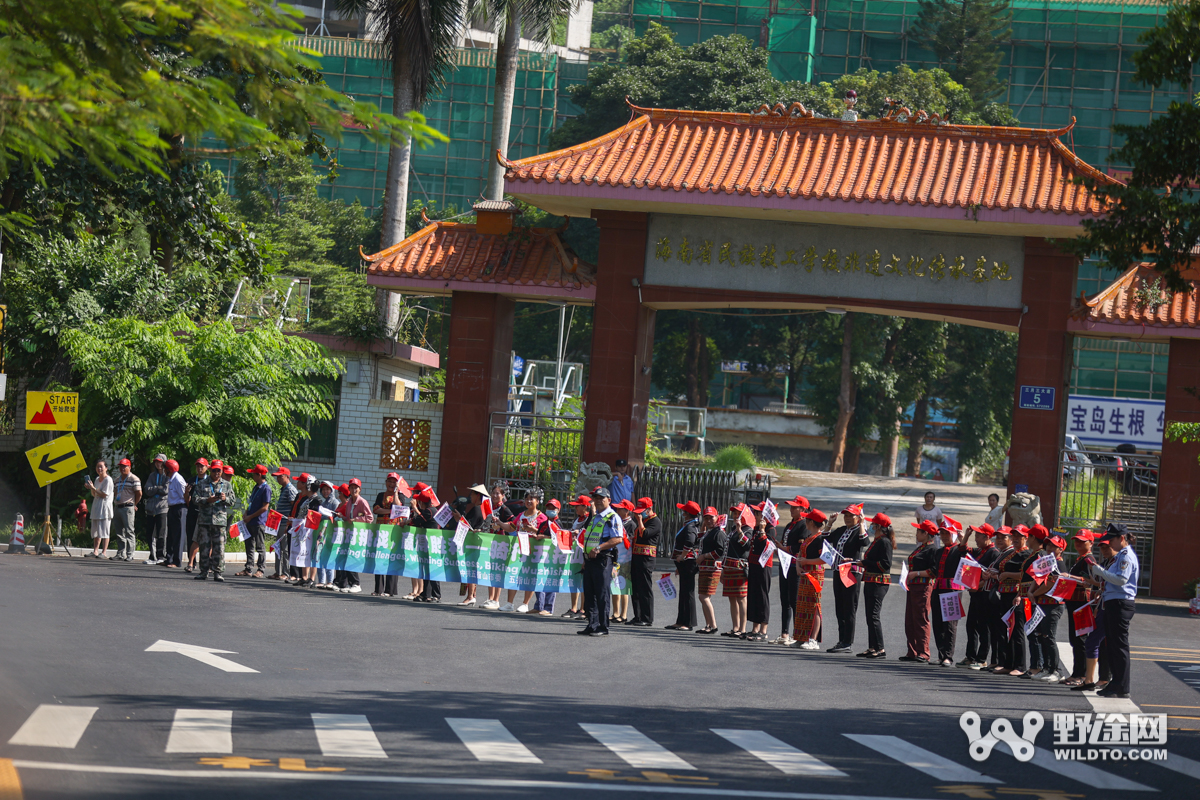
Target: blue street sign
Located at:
point(518, 366)
point(1021, 488)
point(1039, 397)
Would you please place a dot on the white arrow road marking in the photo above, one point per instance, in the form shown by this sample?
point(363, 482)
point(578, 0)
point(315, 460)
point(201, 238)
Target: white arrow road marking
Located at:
point(205, 655)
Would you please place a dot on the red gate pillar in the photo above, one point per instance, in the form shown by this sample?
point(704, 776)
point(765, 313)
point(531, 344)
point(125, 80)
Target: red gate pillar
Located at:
point(618, 391)
point(1043, 356)
point(477, 375)
point(1177, 528)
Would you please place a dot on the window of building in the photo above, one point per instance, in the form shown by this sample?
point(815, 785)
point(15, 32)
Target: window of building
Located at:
point(321, 446)
point(405, 444)
point(1108, 368)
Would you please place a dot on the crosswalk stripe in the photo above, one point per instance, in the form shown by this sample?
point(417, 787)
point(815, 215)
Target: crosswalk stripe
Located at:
point(346, 736)
point(201, 730)
point(1111, 705)
point(635, 748)
point(54, 726)
point(780, 755)
point(489, 740)
point(1184, 766)
point(1086, 773)
point(920, 759)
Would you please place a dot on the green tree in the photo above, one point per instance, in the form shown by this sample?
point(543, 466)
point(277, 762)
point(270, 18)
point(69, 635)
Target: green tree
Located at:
point(976, 391)
point(967, 36)
point(200, 390)
point(1156, 216)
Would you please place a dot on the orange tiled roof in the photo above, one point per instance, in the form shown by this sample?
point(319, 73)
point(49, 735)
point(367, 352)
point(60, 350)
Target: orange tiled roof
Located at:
point(809, 158)
point(451, 251)
point(1121, 305)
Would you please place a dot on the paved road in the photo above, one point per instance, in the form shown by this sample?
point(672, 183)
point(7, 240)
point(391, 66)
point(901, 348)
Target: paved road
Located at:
point(386, 698)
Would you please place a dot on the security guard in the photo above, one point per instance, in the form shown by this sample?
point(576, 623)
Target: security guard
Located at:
point(214, 495)
point(604, 531)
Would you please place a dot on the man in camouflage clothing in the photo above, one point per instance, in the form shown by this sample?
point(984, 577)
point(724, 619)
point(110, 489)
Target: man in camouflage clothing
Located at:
point(214, 497)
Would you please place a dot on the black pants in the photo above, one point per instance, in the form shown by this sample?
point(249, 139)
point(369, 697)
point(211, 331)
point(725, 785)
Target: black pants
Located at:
point(156, 535)
point(1117, 616)
point(282, 543)
point(997, 628)
point(873, 594)
point(641, 569)
point(1018, 644)
point(175, 525)
point(979, 632)
point(431, 592)
point(945, 633)
point(597, 573)
point(387, 584)
point(344, 579)
point(788, 586)
point(687, 594)
point(1046, 635)
point(758, 593)
point(845, 602)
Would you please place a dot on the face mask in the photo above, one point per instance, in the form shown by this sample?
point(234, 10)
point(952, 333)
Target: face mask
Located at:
point(552, 513)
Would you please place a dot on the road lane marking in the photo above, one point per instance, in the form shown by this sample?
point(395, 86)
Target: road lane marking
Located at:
point(489, 740)
point(780, 755)
point(346, 736)
point(54, 726)
point(920, 759)
point(201, 730)
point(634, 747)
point(1184, 766)
point(1085, 773)
point(205, 655)
point(472, 783)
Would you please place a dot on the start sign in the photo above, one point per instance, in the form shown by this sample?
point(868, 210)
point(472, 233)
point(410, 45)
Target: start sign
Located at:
point(52, 411)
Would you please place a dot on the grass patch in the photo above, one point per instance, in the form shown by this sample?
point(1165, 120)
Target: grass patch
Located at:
point(1084, 500)
point(733, 457)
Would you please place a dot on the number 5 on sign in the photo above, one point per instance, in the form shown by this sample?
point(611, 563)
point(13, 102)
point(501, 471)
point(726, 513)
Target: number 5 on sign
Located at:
point(56, 459)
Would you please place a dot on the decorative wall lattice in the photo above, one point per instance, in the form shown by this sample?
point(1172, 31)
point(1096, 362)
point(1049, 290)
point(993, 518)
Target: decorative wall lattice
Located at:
point(405, 444)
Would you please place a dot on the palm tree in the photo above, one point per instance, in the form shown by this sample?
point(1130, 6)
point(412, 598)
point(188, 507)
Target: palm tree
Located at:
point(537, 18)
point(419, 37)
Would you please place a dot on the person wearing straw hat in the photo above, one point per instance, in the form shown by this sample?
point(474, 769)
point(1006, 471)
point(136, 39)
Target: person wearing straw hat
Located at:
point(683, 553)
point(474, 516)
point(848, 542)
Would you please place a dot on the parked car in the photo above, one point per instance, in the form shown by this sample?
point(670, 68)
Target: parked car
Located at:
point(1138, 477)
point(1075, 461)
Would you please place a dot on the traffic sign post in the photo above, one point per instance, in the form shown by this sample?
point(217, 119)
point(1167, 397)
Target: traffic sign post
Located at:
point(52, 411)
point(56, 459)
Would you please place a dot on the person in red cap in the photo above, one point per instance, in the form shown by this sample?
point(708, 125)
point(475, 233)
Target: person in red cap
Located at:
point(758, 581)
point(176, 516)
point(582, 508)
point(646, 539)
point(622, 570)
point(983, 600)
point(255, 519)
point(1009, 568)
point(848, 542)
point(997, 629)
point(735, 564)
point(127, 493)
point(922, 565)
point(389, 585)
point(358, 509)
point(154, 499)
point(1043, 650)
point(683, 553)
point(808, 622)
point(789, 541)
point(877, 576)
point(945, 631)
point(215, 497)
point(711, 551)
point(502, 515)
point(1082, 571)
point(285, 499)
point(192, 498)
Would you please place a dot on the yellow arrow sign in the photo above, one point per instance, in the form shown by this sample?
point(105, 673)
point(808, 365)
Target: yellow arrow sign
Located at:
point(56, 459)
point(52, 411)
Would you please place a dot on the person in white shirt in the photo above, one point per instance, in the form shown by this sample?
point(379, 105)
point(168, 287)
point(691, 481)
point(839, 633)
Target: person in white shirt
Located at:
point(930, 512)
point(102, 509)
point(995, 516)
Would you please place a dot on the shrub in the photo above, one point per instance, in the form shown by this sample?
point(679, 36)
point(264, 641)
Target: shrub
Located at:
point(733, 457)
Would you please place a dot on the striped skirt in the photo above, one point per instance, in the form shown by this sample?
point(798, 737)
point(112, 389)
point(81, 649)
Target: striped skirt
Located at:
point(733, 582)
point(710, 575)
point(808, 606)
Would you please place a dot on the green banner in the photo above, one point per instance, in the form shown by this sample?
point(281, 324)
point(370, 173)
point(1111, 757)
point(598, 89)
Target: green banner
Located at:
point(485, 559)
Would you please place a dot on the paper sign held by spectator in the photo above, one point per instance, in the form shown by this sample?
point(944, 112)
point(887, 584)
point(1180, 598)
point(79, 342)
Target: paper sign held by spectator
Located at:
point(904, 575)
point(951, 606)
point(765, 558)
point(828, 554)
point(785, 561)
point(523, 540)
point(460, 532)
point(399, 512)
point(722, 520)
point(667, 587)
point(1035, 620)
point(1042, 566)
point(443, 515)
point(770, 513)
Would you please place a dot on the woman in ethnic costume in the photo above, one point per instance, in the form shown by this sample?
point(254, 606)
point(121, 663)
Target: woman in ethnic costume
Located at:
point(877, 576)
point(758, 600)
point(712, 550)
point(922, 563)
point(811, 569)
point(733, 569)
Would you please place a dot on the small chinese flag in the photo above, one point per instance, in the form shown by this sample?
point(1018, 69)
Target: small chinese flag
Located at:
point(273, 520)
point(1010, 620)
point(1064, 588)
point(1083, 619)
point(746, 517)
point(845, 574)
point(402, 486)
point(486, 507)
point(969, 574)
point(312, 520)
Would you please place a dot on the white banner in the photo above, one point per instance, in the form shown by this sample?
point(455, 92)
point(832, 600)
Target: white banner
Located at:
point(302, 552)
point(1110, 421)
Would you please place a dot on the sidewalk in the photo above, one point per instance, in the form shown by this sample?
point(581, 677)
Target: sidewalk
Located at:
point(138, 555)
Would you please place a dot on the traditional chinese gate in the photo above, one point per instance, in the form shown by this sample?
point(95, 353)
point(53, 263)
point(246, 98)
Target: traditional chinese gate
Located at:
point(1096, 488)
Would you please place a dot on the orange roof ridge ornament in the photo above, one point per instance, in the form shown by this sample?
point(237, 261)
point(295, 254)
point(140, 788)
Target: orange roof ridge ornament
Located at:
point(796, 109)
point(1136, 304)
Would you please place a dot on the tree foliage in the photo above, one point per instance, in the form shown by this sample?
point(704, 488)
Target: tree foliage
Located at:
point(200, 390)
point(966, 36)
point(1156, 216)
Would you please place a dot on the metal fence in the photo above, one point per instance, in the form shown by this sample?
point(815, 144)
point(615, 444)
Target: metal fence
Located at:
point(1096, 488)
point(669, 486)
point(535, 450)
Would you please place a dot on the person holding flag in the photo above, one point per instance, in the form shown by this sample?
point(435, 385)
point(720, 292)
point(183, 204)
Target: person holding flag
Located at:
point(848, 542)
point(479, 508)
point(214, 495)
point(683, 553)
point(1047, 595)
point(583, 510)
point(789, 577)
point(734, 565)
point(711, 549)
point(1089, 623)
point(979, 615)
point(810, 565)
point(621, 569)
point(1009, 571)
point(1081, 595)
point(758, 600)
point(917, 575)
point(877, 576)
point(1036, 566)
point(543, 602)
point(997, 630)
point(646, 538)
point(945, 629)
point(600, 537)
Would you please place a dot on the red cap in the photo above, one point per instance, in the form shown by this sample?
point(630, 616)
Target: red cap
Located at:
point(952, 524)
point(691, 508)
point(644, 504)
point(798, 502)
point(1087, 536)
point(710, 512)
point(202, 460)
point(926, 525)
point(420, 487)
point(284, 471)
point(1040, 532)
point(216, 464)
point(985, 529)
point(393, 476)
point(1003, 530)
point(758, 507)
point(1058, 542)
point(344, 489)
point(172, 465)
point(854, 508)
point(228, 470)
point(816, 515)
point(304, 478)
point(737, 507)
point(625, 504)
point(355, 482)
point(124, 462)
point(257, 469)
point(882, 520)
point(553, 503)
point(1019, 530)
point(582, 500)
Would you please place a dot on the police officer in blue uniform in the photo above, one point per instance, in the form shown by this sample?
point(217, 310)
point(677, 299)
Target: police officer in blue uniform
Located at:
point(601, 535)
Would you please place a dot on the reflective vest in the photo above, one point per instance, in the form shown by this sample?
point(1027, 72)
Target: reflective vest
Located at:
point(594, 532)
